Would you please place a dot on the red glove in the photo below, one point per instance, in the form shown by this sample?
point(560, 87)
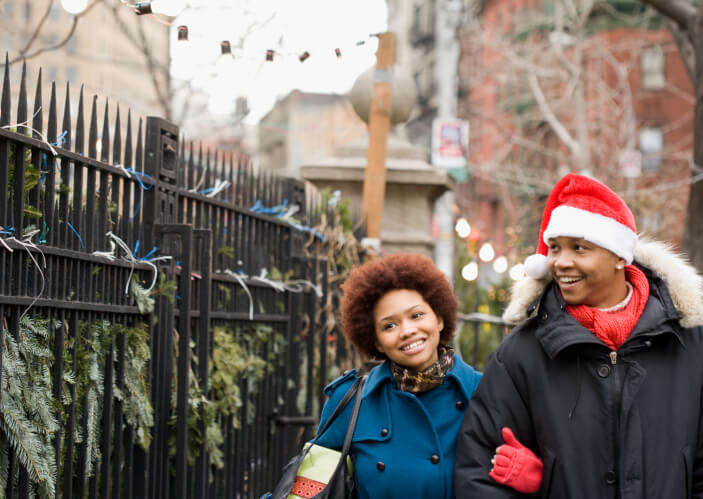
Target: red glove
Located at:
point(516, 466)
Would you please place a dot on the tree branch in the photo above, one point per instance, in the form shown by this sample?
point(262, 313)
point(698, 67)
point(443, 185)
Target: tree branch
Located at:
point(58, 45)
point(679, 11)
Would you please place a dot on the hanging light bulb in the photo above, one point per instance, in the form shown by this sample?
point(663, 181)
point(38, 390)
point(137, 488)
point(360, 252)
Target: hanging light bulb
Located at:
point(462, 228)
point(470, 271)
point(500, 264)
point(517, 272)
point(74, 6)
point(486, 253)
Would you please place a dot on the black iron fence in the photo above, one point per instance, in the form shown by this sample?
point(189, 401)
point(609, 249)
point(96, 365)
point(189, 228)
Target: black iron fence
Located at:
point(160, 308)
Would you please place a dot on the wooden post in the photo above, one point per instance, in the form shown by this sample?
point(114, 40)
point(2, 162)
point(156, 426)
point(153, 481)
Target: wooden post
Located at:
point(374, 189)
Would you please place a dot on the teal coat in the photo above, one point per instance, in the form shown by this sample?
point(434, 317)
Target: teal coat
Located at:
point(404, 444)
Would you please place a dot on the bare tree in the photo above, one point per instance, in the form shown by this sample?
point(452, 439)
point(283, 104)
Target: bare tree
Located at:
point(686, 23)
point(551, 92)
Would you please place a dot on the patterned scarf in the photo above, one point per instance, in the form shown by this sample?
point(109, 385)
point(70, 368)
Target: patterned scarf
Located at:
point(613, 326)
point(424, 381)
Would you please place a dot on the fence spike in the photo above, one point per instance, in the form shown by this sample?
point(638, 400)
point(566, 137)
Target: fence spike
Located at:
point(105, 141)
point(117, 140)
point(93, 133)
point(38, 116)
point(66, 125)
point(128, 140)
point(5, 103)
point(80, 126)
point(22, 101)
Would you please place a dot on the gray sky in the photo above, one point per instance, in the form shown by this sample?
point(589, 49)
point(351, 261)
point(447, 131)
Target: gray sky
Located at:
point(288, 26)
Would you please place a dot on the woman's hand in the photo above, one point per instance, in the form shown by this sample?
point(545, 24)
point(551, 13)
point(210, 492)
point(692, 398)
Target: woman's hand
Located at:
point(516, 466)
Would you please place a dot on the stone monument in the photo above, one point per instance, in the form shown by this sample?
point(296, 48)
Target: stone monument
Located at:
point(412, 184)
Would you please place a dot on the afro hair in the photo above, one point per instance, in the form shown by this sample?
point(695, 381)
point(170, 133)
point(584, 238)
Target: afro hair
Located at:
point(367, 283)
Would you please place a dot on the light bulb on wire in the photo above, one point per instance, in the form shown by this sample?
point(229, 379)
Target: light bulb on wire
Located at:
point(74, 7)
point(500, 264)
point(470, 271)
point(486, 253)
point(462, 228)
point(517, 272)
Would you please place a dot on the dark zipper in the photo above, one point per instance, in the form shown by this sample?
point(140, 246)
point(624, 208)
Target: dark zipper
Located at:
point(618, 404)
point(616, 423)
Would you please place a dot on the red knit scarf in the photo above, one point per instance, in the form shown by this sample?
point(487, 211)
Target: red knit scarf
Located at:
point(613, 328)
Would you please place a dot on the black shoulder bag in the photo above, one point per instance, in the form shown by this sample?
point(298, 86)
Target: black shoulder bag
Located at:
point(340, 484)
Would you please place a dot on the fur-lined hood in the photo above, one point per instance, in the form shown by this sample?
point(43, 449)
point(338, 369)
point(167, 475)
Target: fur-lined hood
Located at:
point(684, 284)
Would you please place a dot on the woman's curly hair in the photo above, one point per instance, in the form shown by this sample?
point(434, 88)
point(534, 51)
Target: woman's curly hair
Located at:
point(367, 283)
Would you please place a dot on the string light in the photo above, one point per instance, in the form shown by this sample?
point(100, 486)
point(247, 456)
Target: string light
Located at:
point(142, 8)
point(183, 33)
point(338, 53)
point(462, 228)
point(500, 264)
point(225, 47)
point(517, 272)
point(74, 6)
point(269, 55)
point(486, 253)
point(470, 271)
point(304, 56)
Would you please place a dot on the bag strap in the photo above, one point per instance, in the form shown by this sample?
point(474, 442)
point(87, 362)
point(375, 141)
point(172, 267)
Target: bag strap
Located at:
point(356, 387)
point(352, 421)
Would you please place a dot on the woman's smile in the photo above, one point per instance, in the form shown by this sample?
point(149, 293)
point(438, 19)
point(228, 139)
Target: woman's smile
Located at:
point(407, 329)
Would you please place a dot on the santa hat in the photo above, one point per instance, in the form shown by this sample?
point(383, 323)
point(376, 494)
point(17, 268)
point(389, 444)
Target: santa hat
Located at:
point(582, 207)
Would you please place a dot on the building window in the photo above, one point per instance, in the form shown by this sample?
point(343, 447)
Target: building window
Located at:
point(651, 146)
point(9, 9)
point(28, 11)
point(653, 68)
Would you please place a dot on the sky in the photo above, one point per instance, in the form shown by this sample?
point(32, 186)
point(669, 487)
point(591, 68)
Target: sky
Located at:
point(290, 27)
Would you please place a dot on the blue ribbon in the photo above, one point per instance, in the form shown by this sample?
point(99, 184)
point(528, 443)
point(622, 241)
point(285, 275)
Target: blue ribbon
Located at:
point(80, 239)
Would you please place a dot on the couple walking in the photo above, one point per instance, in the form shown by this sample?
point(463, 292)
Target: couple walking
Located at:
point(595, 394)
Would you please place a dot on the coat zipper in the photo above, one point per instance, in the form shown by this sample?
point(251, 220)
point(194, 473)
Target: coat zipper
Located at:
point(616, 422)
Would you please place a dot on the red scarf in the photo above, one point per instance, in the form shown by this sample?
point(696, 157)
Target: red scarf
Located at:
point(613, 328)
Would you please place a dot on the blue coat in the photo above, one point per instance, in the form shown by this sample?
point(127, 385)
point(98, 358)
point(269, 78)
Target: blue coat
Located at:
point(404, 444)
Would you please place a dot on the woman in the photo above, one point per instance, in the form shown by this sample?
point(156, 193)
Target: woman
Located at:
point(604, 375)
point(401, 309)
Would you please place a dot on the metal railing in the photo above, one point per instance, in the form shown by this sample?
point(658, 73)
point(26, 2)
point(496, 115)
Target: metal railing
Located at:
point(60, 195)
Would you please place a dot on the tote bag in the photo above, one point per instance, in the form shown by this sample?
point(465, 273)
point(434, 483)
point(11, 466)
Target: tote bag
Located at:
point(318, 472)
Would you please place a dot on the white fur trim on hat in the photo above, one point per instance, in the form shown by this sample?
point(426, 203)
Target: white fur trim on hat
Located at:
point(604, 231)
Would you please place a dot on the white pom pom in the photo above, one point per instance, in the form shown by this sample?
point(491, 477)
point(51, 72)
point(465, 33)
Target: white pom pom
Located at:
point(536, 266)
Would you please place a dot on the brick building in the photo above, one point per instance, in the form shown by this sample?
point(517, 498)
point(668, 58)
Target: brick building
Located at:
point(609, 97)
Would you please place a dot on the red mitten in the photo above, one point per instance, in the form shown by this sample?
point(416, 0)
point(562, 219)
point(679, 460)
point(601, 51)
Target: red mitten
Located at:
point(516, 466)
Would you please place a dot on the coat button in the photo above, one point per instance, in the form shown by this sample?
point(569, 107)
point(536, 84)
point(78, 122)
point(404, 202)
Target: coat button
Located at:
point(610, 477)
point(384, 432)
point(380, 465)
point(434, 459)
point(459, 404)
point(604, 370)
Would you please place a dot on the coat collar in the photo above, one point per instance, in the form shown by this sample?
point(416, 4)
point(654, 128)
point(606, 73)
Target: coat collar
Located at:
point(464, 375)
point(682, 286)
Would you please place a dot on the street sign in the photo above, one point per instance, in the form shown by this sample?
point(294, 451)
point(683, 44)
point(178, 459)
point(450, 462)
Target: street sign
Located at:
point(450, 143)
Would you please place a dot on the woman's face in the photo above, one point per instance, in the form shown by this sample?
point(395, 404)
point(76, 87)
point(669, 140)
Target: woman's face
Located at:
point(586, 273)
point(407, 329)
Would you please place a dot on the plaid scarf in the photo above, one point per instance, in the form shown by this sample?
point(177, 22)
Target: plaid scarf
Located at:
point(424, 381)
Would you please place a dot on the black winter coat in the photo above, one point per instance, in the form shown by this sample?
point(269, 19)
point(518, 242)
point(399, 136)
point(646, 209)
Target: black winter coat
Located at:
point(607, 425)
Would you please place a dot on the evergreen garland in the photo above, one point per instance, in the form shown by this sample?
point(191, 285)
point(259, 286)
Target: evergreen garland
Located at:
point(30, 416)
